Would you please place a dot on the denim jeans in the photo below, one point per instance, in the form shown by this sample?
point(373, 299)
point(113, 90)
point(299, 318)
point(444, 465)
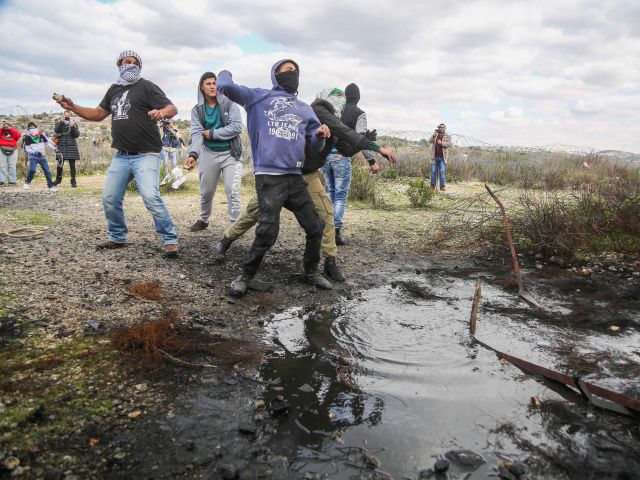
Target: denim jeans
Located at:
point(438, 165)
point(8, 167)
point(337, 175)
point(34, 161)
point(169, 159)
point(144, 168)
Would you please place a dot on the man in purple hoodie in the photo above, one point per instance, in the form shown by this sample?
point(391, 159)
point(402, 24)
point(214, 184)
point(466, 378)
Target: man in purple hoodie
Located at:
point(280, 126)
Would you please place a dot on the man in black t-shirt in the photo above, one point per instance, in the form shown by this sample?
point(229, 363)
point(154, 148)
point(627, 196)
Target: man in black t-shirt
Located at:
point(135, 105)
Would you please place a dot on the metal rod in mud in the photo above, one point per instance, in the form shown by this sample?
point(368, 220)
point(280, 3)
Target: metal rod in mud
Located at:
point(474, 308)
point(516, 267)
point(598, 396)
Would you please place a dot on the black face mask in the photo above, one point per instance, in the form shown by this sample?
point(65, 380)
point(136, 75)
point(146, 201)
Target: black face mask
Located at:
point(288, 80)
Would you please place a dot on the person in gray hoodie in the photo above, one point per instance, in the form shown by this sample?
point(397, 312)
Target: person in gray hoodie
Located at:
point(216, 125)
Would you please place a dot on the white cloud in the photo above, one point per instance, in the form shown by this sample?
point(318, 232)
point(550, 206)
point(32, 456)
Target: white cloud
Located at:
point(502, 72)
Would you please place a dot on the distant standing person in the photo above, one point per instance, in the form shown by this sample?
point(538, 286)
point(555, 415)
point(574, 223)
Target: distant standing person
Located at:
point(35, 144)
point(67, 132)
point(216, 125)
point(8, 154)
point(441, 141)
point(170, 146)
point(135, 105)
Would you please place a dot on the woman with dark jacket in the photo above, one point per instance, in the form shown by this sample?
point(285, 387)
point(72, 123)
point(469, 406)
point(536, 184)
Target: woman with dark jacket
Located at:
point(66, 132)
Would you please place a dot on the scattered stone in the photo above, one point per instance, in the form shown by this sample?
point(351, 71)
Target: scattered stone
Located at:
point(231, 381)
point(306, 388)
point(120, 455)
point(260, 404)
point(228, 471)
point(465, 458)
point(518, 469)
point(93, 325)
point(441, 465)
point(11, 463)
point(505, 474)
point(182, 276)
point(247, 428)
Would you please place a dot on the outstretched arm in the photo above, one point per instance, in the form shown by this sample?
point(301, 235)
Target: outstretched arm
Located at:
point(94, 114)
point(237, 93)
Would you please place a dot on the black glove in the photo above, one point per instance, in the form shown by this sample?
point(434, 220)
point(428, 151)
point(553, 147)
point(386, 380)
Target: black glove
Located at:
point(371, 135)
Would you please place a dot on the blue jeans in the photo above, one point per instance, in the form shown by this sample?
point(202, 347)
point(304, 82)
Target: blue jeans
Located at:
point(169, 159)
point(8, 166)
point(144, 168)
point(337, 175)
point(34, 161)
point(438, 165)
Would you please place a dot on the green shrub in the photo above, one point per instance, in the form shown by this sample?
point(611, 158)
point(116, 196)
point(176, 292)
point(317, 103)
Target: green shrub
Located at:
point(364, 186)
point(390, 173)
point(419, 192)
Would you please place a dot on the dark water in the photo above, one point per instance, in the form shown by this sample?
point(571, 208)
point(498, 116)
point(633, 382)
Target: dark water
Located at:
point(395, 373)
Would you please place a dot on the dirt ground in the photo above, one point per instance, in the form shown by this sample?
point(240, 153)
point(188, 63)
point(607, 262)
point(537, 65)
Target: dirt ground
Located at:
point(74, 406)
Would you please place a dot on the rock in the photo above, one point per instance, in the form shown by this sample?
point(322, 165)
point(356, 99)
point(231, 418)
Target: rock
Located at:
point(505, 474)
point(231, 381)
point(259, 404)
point(306, 388)
point(182, 276)
point(518, 469)
point(465, 458)
point(247, 428)
point(11, 463)
point(93, 325)
point(441, 465)
point(228, 471)
point(425, 474)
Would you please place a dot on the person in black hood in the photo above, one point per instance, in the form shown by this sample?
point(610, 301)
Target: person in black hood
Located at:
point(337, 170)
point(327, 107)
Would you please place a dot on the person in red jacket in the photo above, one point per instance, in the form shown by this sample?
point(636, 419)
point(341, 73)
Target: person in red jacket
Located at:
point(8, 153)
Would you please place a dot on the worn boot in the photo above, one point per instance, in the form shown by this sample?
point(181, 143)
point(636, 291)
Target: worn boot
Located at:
point(332, 270)
point(240, 285)
point(220, 249)
point(339, 239)
point(312, 277)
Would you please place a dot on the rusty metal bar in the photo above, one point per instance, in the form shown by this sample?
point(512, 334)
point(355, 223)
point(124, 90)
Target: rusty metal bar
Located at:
point(516, 267)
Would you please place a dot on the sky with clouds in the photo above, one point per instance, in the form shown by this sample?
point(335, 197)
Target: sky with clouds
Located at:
point(509, 73)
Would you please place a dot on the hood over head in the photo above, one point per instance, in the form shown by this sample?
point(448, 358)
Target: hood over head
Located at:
point(352, 92)
point(275, 67)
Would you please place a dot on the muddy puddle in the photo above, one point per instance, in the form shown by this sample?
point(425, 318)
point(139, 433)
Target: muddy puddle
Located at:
point(389, 379)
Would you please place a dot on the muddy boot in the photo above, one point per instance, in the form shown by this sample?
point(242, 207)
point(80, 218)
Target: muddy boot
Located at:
point(220, 249)
point(240, 285)
point(332, 270)
point(339, 239)
point(312, 277)
point(258, 285)
point(74, 184)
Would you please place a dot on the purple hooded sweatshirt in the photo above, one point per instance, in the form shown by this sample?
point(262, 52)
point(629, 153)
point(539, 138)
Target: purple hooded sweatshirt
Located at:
point(279, 124)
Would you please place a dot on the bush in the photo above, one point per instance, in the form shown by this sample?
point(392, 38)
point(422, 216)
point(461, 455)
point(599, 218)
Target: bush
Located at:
point(419, 192)
point(390, 173)
point(364, 186)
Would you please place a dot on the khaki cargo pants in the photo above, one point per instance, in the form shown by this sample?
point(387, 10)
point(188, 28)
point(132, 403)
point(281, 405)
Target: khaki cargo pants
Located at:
point(318, 192)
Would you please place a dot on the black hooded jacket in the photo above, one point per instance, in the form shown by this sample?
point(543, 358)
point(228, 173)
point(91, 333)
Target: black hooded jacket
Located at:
point(340, 135)
point(349, 117)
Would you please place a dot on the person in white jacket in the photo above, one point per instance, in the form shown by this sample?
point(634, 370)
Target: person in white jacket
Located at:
point(35, 144)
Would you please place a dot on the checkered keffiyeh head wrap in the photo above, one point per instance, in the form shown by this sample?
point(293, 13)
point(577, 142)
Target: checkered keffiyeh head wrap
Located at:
point(129, 73)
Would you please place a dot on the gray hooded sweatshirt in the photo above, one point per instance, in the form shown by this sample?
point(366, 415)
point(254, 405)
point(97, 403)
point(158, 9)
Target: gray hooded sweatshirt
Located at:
point(231, 129)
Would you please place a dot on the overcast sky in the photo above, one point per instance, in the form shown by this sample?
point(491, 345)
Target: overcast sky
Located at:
point(511, 73)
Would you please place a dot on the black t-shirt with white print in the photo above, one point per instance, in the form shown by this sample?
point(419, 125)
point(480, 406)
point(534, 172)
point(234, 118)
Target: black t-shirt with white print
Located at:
point(131, 128)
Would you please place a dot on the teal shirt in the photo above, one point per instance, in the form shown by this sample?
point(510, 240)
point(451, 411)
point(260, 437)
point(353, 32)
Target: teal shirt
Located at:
point(213, 119)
